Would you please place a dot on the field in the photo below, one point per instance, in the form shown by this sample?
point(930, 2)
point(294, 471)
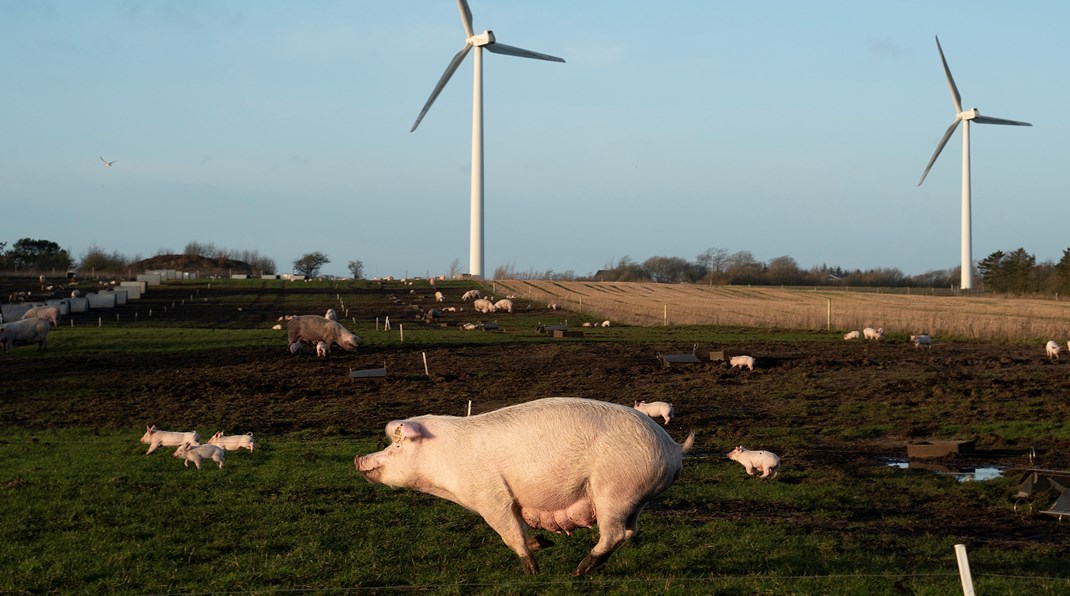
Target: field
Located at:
point(86, 511)
point(906, 310)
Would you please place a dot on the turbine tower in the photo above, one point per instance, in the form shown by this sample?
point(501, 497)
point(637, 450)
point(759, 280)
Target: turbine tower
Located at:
point(965, 117)
point(480, 42)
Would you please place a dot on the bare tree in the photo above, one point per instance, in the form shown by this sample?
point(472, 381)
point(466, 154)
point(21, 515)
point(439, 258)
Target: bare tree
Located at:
point(310, 263)
point(356, 269)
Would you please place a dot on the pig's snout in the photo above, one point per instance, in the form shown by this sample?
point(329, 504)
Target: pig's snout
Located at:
point(367, 466)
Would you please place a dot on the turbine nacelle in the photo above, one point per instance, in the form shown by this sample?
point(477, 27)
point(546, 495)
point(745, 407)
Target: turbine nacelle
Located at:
point(969, 114)
point(483, 39)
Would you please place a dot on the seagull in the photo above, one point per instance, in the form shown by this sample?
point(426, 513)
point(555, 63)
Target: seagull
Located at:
point(107, 164)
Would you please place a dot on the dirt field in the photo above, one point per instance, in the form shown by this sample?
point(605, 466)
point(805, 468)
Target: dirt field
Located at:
point(818, 403)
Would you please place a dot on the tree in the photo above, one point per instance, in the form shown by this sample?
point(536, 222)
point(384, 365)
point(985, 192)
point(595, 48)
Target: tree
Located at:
point(310, 263)
point(1062, 273)
point(1020, 267)
point(991, 269)
point(666, 269)
point(356, 269)
point(95, 261)
point(39, 255)
point(784, 271)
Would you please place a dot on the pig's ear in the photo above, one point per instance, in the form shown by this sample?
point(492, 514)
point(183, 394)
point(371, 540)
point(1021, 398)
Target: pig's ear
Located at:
point(406, 430)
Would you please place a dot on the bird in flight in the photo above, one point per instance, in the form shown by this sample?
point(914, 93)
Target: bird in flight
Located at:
point(107, 164)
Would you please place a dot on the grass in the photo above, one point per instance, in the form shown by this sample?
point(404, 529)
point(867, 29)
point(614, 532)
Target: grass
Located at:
point(87, 512)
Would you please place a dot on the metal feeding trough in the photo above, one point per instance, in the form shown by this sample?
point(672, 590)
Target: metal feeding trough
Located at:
point(929, 449)
point(368, 373)
point(1035, 483)
point(669, 360)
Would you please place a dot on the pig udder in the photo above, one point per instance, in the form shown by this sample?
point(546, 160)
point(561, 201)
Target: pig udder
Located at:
point(577, 515)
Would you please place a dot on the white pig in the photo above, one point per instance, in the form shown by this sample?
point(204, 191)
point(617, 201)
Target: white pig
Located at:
point(741, 361)
point(321, 349)
point(765, 462)
point(655, 409)
point(232, 442)
point(198, 453)
point(157, 438)
point(558, 464)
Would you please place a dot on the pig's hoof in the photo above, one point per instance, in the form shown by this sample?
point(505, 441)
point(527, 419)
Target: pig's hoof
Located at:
point(537, 542)
point(590, 563)
point(531, 566)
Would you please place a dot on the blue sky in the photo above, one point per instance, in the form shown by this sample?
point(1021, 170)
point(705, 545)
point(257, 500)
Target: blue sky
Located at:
point(780, 128)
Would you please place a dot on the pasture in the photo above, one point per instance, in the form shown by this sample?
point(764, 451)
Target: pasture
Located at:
point(86, 511)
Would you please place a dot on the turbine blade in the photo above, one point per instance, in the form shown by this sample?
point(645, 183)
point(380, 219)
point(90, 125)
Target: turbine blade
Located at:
point(955, 97)
point(442, 82)
point(466, 17)
point(939, 148)
point(501, 48)
point(991, 120)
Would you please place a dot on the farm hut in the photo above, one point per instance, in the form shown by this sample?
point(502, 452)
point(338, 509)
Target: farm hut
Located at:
point(62, 304)
point(14, 312)
point(121, 295)
point(101, 300)
point(152, 279)
point(266, 276)
point(134, 289)
point(79, 304)
point(239, 276)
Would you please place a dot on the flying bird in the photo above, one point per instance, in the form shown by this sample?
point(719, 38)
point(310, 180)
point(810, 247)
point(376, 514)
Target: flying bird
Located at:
point(107, 164)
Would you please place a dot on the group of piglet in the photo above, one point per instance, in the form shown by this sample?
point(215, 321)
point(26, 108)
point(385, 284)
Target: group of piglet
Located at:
point(762, 463)
point(190, 448)
point(923, 340)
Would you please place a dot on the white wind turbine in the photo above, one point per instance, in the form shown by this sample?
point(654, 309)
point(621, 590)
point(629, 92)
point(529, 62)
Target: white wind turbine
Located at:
point(966, 278)
point(482, 41)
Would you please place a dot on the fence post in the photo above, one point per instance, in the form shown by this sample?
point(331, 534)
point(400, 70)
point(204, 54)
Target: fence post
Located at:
point(964, 570)
point(828, 317)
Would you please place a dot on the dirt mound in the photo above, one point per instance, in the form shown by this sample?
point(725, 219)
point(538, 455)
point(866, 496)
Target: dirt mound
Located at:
point(203, 265)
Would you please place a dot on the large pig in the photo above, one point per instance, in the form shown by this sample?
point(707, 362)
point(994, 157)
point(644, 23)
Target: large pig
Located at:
point(24, 332)
point(314, 329)
point(558, 464)
point(48, 313)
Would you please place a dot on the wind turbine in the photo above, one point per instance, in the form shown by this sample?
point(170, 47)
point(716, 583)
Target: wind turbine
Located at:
point(966, 277)
point(480, 42)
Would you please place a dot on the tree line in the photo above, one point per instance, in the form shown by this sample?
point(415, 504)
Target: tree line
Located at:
point(1012, 272)
point(30, 255)
point(1015, 271)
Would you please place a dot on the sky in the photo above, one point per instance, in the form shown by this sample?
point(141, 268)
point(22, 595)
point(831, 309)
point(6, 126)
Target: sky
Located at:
point(781, 128)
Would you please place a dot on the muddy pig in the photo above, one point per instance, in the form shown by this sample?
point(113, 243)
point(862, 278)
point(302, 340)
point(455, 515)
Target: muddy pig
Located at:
point(557, 463)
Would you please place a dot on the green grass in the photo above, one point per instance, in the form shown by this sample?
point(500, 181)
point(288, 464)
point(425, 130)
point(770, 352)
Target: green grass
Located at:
point(87, 512)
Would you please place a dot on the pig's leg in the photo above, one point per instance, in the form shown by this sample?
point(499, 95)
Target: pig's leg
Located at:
point(152, 447)
point(614, 527)
point(508, 524)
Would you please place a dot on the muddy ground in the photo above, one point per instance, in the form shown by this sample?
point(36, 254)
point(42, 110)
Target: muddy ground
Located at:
point(851, 405)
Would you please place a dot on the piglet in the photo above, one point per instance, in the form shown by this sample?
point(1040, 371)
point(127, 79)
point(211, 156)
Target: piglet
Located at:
point(197, 453)
point(232, 442)
point(655, 409)
point(157, 438)
point(765, 462)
